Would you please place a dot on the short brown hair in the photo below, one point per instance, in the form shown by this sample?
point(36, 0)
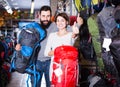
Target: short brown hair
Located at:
point(64, 15)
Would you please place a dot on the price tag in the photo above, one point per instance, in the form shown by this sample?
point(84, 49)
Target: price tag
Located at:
point(58, 72)
point(106, 43)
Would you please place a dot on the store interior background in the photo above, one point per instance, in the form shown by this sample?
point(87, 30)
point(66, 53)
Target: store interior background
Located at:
point(12, 9)
point(21, 11)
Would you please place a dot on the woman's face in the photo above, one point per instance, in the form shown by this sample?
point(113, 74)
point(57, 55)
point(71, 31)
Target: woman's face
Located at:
point(61, 22)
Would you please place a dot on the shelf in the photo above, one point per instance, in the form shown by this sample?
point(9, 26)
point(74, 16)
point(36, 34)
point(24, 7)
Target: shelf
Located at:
point(13, 23)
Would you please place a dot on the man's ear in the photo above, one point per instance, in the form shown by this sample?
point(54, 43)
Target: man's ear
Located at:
point(39, 16)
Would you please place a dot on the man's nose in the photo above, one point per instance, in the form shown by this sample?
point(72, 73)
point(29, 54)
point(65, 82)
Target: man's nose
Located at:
point(45, 18)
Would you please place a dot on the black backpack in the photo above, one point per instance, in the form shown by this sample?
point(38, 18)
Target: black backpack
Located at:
point(28, 39)
point(115, 44)
point(86, 45)
point(24, 61)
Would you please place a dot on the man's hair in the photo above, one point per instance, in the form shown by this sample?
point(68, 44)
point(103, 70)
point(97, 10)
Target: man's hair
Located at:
point(46, 8)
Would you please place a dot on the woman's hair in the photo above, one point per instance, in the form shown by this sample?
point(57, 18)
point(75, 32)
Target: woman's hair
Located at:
point(64, 15)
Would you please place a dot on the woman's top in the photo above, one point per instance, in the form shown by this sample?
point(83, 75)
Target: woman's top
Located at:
point(54, 40)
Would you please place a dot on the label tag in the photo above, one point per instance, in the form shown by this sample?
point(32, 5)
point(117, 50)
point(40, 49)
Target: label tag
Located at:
point(58, 72)
point(106, 43)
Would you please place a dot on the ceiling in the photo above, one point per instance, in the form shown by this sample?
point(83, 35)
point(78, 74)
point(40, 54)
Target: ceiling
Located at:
point(24, 4)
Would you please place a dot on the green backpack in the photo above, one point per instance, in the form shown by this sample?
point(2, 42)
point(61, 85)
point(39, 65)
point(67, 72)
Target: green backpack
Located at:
point(94, 31)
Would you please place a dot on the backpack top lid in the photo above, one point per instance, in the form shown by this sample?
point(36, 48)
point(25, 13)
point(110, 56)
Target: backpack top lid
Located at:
point(35, 25)
point(65, 52)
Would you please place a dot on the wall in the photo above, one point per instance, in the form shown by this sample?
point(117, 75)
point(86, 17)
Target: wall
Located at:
point(53, 4)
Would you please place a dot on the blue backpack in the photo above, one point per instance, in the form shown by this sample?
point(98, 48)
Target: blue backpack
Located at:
point(23, 61)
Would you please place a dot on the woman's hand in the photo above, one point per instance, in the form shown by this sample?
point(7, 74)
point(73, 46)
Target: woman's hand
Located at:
point(79, 20)
point(75, 29)
point(51, 53)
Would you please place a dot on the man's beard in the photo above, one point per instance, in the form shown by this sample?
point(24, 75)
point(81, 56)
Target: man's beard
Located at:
point(43, 25)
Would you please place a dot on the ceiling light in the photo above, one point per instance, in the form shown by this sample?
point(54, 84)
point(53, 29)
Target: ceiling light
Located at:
point(32, 7)
point(16, 7)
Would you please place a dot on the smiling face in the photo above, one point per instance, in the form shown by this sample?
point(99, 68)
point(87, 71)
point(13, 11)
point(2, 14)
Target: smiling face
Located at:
point(61, 22)
point(45, 18)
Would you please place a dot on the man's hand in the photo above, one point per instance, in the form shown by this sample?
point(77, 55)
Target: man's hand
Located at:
point(18, 47)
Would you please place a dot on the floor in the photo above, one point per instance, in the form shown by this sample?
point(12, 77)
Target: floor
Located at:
point(19, 80)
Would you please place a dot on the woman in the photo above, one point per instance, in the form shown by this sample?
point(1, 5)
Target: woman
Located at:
point(61, 37)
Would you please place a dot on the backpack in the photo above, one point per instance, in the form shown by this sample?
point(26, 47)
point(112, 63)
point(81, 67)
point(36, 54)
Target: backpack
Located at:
point(65, 66)
point(115, 44)
point(23, 61)
point(106, 24)
point(29, 39)
point(91, 6)
point(86, 45)
point(6, 49)
point(94, 31)
point(99, 80)
point(115, 51)
point(87, 49)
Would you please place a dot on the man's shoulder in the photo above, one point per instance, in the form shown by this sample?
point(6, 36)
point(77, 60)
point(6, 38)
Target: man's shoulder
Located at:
point(52, 27)
point(53, 24)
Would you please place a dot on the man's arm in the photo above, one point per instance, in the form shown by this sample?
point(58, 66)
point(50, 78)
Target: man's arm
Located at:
point(18, 47)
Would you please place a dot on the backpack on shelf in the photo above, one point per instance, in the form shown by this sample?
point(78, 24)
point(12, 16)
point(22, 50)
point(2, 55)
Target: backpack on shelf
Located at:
point(23, 61)
point(115, 44)
point(106, 25)
point(86, 44)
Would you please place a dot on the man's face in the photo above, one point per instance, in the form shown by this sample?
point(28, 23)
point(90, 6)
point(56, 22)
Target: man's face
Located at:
point(45, 19)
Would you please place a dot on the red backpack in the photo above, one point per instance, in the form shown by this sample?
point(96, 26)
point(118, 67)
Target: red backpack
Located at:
point(65, 67)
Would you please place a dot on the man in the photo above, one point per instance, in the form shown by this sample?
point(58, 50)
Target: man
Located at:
point(43, 63)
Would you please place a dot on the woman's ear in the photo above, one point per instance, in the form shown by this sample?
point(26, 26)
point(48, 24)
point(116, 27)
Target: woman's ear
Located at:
point(67, 23)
